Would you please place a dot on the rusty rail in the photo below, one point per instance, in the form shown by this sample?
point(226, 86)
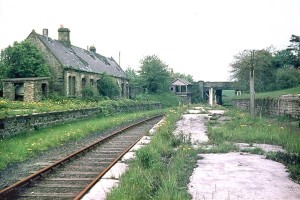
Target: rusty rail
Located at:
point(7, 193)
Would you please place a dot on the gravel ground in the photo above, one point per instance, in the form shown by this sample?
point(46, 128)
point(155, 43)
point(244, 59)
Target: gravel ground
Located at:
point(17, 171)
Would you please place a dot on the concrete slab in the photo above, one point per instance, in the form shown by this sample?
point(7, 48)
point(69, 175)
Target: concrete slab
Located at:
point(194, 111)
point(217, 112)
point(100, 189)
point(144, 140)
point(241, 176)
point(156, 126)
point(192, 125)
point(265, 147)
point(128, 156)
point(116, 171)
point(136, 147)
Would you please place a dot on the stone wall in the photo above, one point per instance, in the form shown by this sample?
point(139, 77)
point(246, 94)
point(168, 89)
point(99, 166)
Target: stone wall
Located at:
point(30, 89)
point(288, 105)
point(19, 124)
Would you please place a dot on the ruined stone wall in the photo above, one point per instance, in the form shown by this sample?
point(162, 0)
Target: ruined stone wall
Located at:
point(288, 105)
point(8, 90)
point(29, 91)
point(19, 124)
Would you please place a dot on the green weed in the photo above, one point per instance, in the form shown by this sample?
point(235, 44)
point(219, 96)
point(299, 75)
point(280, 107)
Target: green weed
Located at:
point(242, 128)
point(162, 168)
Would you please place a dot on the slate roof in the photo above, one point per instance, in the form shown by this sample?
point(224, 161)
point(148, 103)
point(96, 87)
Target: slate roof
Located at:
point(81, 59)
point(185, 82)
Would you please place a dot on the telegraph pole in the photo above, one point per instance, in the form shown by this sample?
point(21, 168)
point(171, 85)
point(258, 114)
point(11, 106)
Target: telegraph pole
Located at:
point(252, 92)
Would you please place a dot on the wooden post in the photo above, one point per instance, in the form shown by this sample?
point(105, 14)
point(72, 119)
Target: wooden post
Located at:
point(252, 92)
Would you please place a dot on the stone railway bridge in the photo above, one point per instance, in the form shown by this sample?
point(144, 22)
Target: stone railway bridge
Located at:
point(212, 91)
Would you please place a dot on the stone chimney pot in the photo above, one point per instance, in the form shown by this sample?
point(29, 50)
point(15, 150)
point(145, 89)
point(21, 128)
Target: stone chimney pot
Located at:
point(93, 49)
point(64, 36)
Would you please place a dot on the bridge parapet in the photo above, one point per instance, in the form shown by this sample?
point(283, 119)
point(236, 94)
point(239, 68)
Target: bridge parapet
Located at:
point(222, 85)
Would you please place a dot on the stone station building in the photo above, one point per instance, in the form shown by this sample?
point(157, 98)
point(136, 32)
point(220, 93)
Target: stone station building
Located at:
point(72, 68)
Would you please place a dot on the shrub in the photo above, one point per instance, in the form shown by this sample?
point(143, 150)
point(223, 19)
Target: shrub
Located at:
point(287, 77)
point(108, 87)
point(89, 92)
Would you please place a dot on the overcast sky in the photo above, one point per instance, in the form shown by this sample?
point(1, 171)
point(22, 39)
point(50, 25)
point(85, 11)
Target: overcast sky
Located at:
point(196, 37)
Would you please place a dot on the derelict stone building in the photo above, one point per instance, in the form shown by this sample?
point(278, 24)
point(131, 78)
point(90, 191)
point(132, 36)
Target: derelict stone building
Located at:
point(25, 89)
point(72, 67)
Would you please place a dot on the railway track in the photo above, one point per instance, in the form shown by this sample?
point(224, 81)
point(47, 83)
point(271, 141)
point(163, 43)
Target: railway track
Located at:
point(73, 176)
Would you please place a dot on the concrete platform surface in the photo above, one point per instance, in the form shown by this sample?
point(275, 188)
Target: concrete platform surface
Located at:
point(241, 176)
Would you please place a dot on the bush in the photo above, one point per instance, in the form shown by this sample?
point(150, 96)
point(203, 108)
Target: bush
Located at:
point(89, 92)
point(287, 77)
point(108, 87)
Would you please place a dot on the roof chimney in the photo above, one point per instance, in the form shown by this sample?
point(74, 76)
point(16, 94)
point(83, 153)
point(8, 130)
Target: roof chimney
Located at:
point(93, 49)
point(64, 36)
point(45, 32)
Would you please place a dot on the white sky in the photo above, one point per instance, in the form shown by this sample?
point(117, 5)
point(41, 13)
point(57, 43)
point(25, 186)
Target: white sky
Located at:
point(196, 37)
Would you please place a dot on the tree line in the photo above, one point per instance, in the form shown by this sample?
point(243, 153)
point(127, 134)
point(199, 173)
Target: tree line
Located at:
point(274, 69)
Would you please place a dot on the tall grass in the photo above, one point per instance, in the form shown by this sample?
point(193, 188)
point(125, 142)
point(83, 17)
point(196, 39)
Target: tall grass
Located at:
point(161, 170)
point(23, 146)
point(242, 128)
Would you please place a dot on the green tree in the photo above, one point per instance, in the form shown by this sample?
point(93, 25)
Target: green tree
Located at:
point(294, 47)
point(154, 74)
point(108, 87)
point(263, 69)
point(287, 77)
point(183, 76)
point(134, 78)
point(23, 60)
point(284, 58)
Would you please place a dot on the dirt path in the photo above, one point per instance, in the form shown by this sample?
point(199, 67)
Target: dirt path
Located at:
point(234, 175)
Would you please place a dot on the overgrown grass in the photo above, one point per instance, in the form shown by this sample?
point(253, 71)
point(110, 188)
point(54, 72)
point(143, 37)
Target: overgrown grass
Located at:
point(12, 108)
point(273, 94)
point(166, 99)
point(242, 128)
point(23, 146)
point(161, 170)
